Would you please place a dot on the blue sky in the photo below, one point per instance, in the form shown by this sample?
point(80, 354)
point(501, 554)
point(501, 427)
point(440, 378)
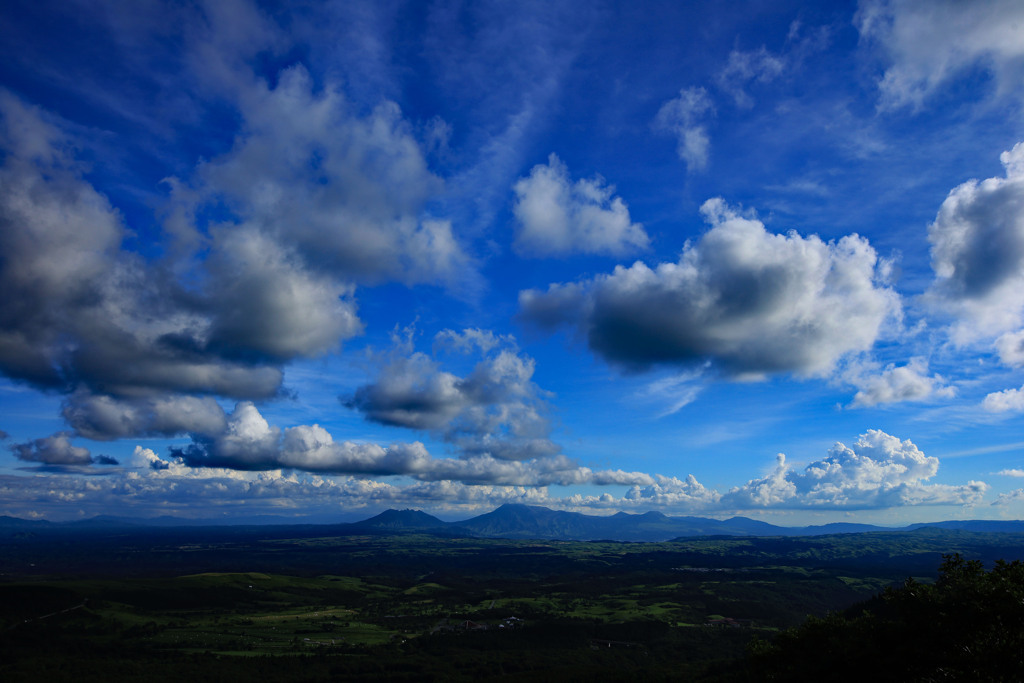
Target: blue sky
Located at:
point(318, 260)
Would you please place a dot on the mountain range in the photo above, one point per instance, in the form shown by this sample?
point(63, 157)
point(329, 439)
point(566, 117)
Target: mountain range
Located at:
point(515, 521)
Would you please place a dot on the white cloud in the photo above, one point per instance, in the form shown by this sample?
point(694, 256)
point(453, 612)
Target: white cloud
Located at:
point(214, 492)
point(1009, 498)
point(58, 236)
point(978, 253)
point(895, 384)
point(271, 304)
point(672, 492)
point(751, 301)
point(1011, 473)
point(347, 193)
point(158, 486)
point(556, 216)
point(1008, 400)
point(774, 489)
point(495, 410)
point(103, 417)
point(249, 443)
point(83, 314)
point(684, 117)
point(879, 471)
point(1011, 348)
point(317, 196)
point(303, 470)
point(187, 492)
point(927, 43)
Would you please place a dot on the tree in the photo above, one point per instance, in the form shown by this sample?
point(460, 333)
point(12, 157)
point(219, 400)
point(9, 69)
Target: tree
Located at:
point(967, 626)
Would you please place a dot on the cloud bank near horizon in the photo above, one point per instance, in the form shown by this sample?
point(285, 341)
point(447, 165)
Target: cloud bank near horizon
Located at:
point(277, 470)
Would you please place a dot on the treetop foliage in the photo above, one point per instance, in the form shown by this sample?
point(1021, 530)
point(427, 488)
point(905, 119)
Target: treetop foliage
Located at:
point(967, 626)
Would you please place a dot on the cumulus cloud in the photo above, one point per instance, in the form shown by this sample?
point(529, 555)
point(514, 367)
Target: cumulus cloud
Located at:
point(78, 310)
point(1011, 348)
point(495, 410)
point(272, 306)
point(774, 489)
point(894, 384)
point(312, 199)
point(57, 240)
point(977, 248)
point(555, 216)
point(750, 301)
point(102, 417)
point(878, 471)
point(248, 442)
point(53, 450)
point(672, 492)
point(346, 193)
point(1006, 401)
point(685, 118)
point(1011, 473)
point(926, 43)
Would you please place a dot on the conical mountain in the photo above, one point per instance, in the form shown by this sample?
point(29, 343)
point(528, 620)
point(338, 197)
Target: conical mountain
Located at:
point(403, 519)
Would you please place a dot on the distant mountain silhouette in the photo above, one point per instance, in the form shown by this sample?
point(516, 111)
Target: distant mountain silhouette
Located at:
point(8, 522)
point(840, 528)
point(531, 521)
point(514, 521)
point(1005, 525)
point(526, 521)
point(402, 519)
point(517, 521)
